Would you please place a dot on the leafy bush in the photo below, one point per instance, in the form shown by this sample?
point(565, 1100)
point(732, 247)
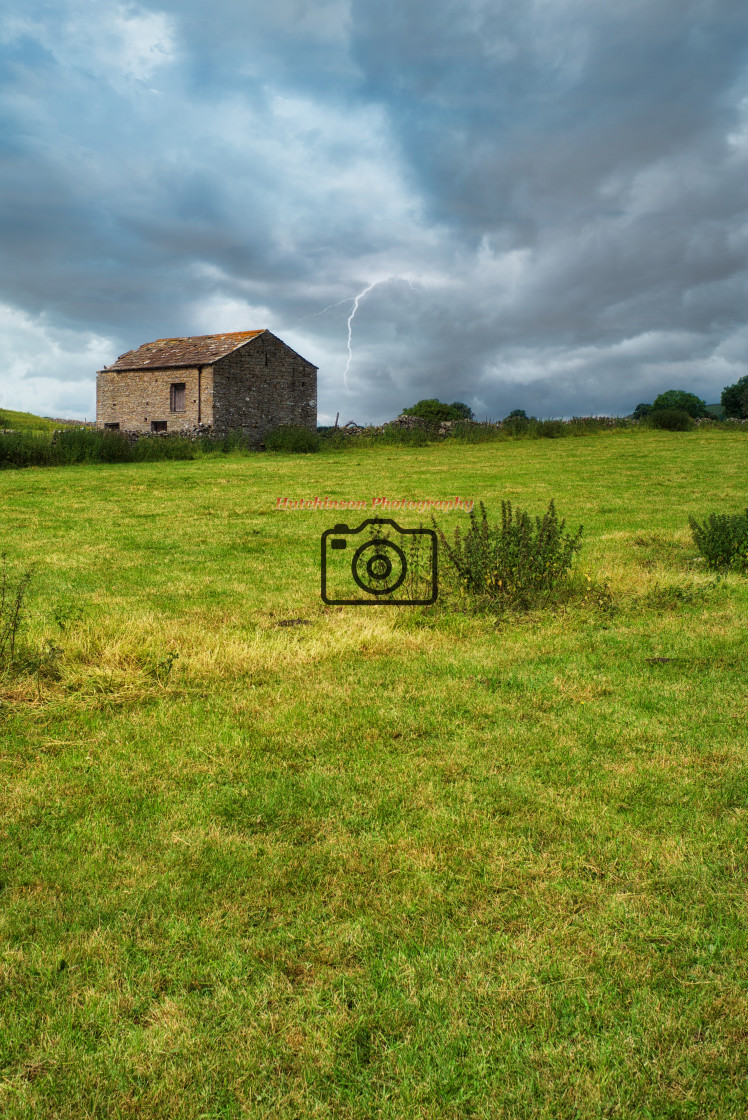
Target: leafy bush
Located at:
point(670, 420)
point(641, 411)
point(436, 411)
point(723, 540)
point(680, 399)
point(517, 561)
point(734, 399)
point(292, 437)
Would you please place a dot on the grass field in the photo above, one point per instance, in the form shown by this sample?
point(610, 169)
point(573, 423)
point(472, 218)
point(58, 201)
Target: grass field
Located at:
point(28, 421)
point(394, 863)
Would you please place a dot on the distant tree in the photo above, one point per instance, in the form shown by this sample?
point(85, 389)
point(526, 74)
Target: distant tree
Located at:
point(680, 399)
point(517, 414)
point(734, 399)
point(436, 411)
point(465, 413)
point(641, 411)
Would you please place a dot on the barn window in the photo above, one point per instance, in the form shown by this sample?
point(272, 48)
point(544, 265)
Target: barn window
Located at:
point(177, 402)
point(113, 427)
point(158, 425)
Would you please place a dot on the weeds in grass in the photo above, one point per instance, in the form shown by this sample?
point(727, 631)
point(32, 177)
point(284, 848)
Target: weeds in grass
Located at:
point(519, 561)
point(11, 611)
point(723, 540)
point(292, 438)
point(66, 613)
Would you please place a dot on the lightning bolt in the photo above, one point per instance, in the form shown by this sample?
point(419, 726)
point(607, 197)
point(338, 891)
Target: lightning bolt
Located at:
point(356, 301)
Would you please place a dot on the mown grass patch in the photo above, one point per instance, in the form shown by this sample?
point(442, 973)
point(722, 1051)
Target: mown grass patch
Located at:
point(397, 863)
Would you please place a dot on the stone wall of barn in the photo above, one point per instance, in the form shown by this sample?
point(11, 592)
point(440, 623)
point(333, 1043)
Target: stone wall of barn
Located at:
point(262, 385)
point(135, 398)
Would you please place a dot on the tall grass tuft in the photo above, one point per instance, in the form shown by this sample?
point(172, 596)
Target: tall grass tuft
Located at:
point(292, 438)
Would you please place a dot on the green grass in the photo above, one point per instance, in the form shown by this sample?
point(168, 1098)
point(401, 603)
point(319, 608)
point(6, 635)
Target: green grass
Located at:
point(404, 863)
point(27, 421)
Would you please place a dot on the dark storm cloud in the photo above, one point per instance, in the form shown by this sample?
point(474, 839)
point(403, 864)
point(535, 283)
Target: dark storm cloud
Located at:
point(549, 197)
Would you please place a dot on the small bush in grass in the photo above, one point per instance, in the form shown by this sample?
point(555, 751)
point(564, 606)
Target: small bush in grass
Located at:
point(723, 540)
point(292, 437)
point(670, 420)
point(518, 561)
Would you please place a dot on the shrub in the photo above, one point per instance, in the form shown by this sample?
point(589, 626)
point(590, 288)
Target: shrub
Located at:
point(670, 420)
point(723, 540)
point(680, 399)
point(436, 411)
point(517, 561)
point(734, 399)
point(292, 437)
point(641, 411)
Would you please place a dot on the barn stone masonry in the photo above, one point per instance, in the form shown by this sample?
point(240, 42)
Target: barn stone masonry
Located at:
point(248, 380)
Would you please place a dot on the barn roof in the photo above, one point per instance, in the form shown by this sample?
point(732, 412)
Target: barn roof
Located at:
point(201, 350)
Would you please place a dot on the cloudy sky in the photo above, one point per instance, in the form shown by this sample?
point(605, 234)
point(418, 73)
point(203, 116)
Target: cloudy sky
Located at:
point(545, 202)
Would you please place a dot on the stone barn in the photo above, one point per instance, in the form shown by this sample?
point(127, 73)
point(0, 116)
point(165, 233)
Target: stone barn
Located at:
point(248, 380)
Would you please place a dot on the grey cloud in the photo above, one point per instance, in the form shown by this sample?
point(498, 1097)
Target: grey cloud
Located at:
point(555, 192)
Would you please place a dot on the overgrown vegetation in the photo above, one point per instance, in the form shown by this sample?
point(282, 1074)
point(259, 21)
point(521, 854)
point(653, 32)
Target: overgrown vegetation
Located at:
point(518, 561)
point(87, 445)
point(722, 540)
point(670, 420)
point(292, 438)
